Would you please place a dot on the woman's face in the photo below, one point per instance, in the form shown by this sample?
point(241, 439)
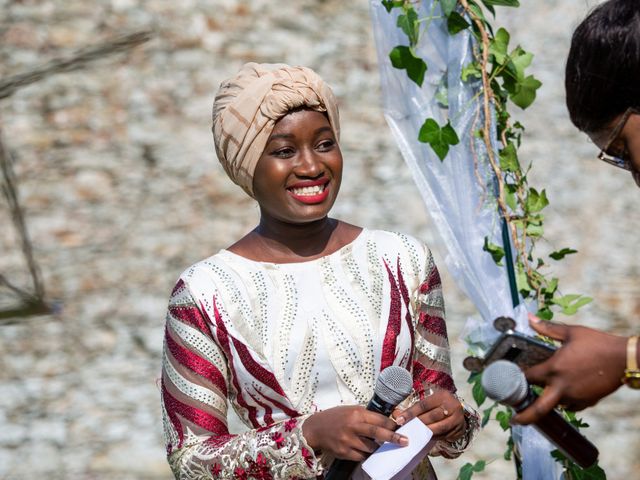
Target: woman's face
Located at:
point(298, 175)
point(626, 144)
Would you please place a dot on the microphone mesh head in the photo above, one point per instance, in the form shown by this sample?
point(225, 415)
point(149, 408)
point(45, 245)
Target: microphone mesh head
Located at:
point(393, 385)
point(504, 382)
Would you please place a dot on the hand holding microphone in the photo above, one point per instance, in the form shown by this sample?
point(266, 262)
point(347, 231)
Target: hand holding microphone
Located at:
point(504, 382)
point(350, 433)
point(587, 367)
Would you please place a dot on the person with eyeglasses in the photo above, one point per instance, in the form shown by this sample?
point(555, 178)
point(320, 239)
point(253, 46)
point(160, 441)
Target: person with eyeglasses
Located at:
point(602, 81)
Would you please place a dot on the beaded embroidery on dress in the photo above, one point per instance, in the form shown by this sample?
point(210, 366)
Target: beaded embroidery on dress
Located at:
point(278, 342)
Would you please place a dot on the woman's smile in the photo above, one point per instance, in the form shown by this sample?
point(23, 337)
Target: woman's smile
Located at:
point(310, 192)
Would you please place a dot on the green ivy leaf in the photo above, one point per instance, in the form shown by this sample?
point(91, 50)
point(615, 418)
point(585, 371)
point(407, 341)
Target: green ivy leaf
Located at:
point(468, 469)
point(477, 391)
point(448, 6)
point(471, 70)
point(560, 254)
point(440, 138)
point(571, 303)
point(502, 3)
point(535, 229)
point(526, 92)
point(545, 313)
point(409, 24)
point(509, 159)
point(391, 4)
point(499, 45)
point(510, 197)
point(486, 415)
point(552, 286)
point(477, 11)
point(503, 418)
point(522, 90)
point(574, 419)
point(535, 201)
point(522, 282)
point(403, 58)
point(520, 59)
point(509, 450)
point(456, 23)
point(496, 251)
point(594, 472)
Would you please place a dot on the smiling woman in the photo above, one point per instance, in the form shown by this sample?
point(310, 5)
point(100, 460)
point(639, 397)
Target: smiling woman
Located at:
point(292, 324)
point(298, 176)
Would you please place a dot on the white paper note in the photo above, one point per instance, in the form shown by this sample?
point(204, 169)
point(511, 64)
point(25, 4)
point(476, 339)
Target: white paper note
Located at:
point(391, 461)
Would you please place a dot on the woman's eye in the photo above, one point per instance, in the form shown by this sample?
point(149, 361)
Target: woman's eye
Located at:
point(283, 152)
point(326, 145)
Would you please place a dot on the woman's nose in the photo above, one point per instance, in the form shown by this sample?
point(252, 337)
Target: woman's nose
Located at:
point(309, 164)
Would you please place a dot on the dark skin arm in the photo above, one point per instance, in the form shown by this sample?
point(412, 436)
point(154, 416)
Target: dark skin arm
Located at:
point(588, 366)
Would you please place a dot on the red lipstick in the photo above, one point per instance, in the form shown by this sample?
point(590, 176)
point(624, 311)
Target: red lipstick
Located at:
point(310, 199)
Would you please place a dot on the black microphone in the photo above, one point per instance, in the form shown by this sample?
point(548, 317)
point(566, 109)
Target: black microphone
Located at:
point(504, 382)
point(393, 385)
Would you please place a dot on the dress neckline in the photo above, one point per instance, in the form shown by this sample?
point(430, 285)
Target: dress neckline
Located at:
point(345, 249)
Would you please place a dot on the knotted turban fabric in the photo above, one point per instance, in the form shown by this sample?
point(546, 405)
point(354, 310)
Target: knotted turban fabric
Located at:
point(248, 105)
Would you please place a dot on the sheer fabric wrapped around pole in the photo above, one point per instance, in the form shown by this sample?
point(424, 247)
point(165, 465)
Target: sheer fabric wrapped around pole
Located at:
point(459, 192)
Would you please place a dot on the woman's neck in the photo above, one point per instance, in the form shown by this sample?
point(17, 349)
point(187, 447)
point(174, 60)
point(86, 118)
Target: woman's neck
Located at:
point(287, 240)
point(278, 242)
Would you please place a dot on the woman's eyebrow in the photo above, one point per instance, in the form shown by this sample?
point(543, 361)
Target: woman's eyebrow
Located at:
point(323, 129)
point(280, 135)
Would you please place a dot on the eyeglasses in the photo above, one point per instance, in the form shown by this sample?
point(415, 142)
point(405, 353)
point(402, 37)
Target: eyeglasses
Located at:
point(620, 161)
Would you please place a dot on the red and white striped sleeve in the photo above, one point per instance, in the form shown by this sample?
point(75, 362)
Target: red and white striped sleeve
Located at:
point(431, 359)
point(195, 391)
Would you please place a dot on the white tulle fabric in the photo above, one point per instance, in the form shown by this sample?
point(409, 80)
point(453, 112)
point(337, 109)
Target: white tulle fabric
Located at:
point(459, 191)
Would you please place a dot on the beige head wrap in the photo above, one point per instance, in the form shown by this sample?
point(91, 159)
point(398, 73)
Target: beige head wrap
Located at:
point(248, 105)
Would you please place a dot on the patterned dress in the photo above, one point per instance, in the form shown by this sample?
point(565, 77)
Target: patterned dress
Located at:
point(279, 342)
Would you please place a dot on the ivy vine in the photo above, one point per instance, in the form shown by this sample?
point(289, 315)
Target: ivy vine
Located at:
point(502, 73)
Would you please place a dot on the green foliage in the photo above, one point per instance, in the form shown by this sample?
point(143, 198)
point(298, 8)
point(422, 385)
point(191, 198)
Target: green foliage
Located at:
point(499, 44)
point(402, 57)
point(477, 391)
point(408, 23)
point(509, 451)
point(574, 472)
point(391, 4)
point(456, 23)
point(471, 71)
point(536, 201)
point(560, 254)
point(448, 6)
point(496, 251)
point(509, 159)
point(486, 414)
point(502, 72)
point(440, 138)
point(504, 417)
point(571, 303)
point(574, 420)
point(502, 3)
point(469, 469)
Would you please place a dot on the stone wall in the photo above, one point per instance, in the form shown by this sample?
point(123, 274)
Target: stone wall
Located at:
point(122, 191)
